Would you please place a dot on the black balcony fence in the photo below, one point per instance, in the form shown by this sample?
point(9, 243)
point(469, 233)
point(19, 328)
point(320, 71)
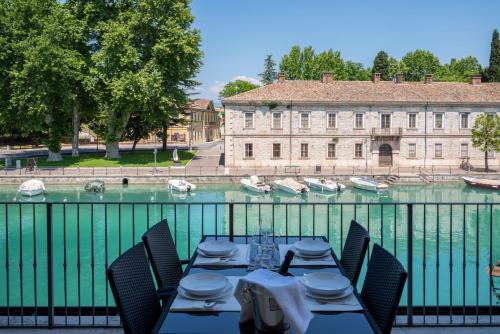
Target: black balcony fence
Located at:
point(53, 256)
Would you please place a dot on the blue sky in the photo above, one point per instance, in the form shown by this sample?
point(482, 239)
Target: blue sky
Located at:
point(237, 34)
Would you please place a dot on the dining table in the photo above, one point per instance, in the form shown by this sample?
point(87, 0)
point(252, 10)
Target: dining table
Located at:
point(227, 322)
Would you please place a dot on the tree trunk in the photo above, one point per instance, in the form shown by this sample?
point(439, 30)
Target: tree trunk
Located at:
point(164, 137)
point(54, 156)
point(76, 129)
point(134, 144)
point(112, 150)
point(486, 161)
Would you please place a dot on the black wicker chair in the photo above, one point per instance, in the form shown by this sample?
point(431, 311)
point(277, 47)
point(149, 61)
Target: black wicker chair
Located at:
point(354, 251)
point(134, 291)
point(163, 256)
point(383, 286)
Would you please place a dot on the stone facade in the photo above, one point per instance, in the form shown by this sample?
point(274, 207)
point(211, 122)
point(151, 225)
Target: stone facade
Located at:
point(380, 140)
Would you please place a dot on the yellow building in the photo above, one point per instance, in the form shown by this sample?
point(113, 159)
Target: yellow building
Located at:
point(200, 124)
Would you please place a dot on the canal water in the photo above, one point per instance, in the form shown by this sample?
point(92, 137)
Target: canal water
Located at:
point(453, 242)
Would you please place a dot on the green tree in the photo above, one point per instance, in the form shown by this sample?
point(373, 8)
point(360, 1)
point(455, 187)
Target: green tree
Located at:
point(486, 135)
point(307, 61)
point(330, 61)
point(146, 59)
point(395, 67)
point(236, 87)
point(493, 72)
point(356, 71)
point(458, 70)
point(269, 75)
point(381, 65)
point(291, 64)
point(418, 63)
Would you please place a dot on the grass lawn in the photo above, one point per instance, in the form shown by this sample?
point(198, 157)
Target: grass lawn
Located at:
point(128, 159)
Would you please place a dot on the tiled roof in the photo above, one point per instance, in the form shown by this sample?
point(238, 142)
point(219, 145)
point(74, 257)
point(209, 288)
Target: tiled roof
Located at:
point(369, 92)
point(204, 104)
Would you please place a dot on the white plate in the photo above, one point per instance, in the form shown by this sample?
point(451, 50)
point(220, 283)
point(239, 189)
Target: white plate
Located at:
point(325, 283)
point(232, 253)
point(312, 246)
point(305, 256)
point(204, 284)
point(227, 289)
point(216, 247)
point(345, 293)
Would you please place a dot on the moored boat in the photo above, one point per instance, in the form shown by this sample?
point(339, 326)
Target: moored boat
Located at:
point(254, 184)
point(181, 185)
point(289, 185)
point(324, 185)
point(369, 184)
point(32, 187)
point(482, 183)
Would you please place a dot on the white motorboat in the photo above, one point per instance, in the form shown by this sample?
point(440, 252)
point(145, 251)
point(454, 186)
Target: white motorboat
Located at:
point(32, 187)
point(289, 185)
point(254, 184)
point(369, 184)
point(181, 185)
point(324, 185)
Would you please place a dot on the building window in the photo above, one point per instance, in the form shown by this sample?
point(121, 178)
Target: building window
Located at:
point(438, 150)
point(332, 150)
point(412, 150)
point(412, 121)
point(385, 121)
point(464, 150)
point(359, 118)
point(276, 150)
point(304, 120)
point(332, 120)
point(277, 120)
point(464, 121)
point(249, 120)
point(438, 121)
point(248, 150)
point(358, 150)
point(304, 150)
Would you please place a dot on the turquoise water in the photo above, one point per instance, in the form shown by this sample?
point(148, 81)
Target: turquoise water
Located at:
point(88, 237)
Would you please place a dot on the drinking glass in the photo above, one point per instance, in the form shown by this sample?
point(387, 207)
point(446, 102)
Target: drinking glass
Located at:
point(263, 261)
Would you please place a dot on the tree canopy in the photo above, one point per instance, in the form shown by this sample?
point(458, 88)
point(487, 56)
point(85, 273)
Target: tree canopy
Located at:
point(418, 63)
point(236, 87)
point(486, 135)
point(381, 65)
point(493, 71)
point(269, 75)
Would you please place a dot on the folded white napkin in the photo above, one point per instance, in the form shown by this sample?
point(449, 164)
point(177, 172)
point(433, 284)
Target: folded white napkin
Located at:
point(285, 290)
point(298, 261)
point(240, 258)
point(227, 303)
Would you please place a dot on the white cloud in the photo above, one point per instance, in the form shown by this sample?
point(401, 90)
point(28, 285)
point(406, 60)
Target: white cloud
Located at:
point(217, 86)
point(246, 78)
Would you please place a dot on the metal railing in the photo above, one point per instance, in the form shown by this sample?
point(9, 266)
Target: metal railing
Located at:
point(53, 256)
point(387, 132)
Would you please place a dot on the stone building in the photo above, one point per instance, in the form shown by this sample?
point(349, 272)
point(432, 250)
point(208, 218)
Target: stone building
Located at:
point(358, 123)
point(200, 123)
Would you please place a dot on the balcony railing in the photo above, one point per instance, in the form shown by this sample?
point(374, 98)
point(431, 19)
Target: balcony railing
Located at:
point(387, 132)
point(53, 256)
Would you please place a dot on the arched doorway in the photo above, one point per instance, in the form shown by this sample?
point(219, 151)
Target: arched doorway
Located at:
point(385, 155)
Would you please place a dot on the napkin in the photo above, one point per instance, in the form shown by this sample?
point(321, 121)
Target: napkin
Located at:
point(298, 261)
point(285, 290)
point(227, 303)
point(240, 258)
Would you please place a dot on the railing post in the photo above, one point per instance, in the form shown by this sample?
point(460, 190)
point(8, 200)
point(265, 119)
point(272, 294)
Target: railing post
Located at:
point(231, 221)
point(50, 276)
point(410, 264)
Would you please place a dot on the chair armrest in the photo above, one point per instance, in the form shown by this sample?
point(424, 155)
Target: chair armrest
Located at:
point(165, 292)
point(185, 261)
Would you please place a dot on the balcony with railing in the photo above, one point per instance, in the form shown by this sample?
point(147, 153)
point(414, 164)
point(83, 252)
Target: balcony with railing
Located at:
point(387, 132)
point(53, 256)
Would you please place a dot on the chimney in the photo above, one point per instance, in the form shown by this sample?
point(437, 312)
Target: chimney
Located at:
point(428, 79)
point(475, 79)
point(399, 78)
point(327, 77)
point(281, 77)
point(376, 77)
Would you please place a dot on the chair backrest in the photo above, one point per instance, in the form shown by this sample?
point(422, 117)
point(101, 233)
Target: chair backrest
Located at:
point(384, 283)
point(134, 291)
point(163, 255)
point(353, 253)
